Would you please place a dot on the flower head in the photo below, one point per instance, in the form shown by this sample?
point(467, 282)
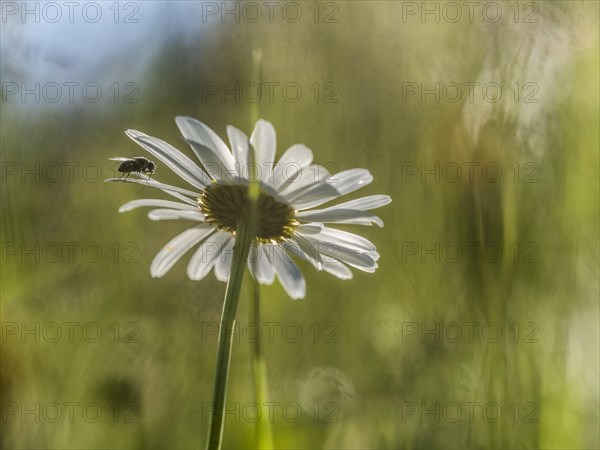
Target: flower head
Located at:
point(287, 223)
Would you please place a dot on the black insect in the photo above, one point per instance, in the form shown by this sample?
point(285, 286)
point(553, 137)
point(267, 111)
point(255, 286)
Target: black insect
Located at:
point(137, 164)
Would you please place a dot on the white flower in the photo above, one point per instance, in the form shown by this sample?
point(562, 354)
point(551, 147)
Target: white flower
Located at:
point(287, 223)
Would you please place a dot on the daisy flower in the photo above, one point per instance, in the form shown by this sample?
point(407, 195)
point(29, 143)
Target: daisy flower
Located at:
point(288, 225)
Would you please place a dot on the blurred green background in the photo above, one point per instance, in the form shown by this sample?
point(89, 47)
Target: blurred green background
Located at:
point(378, 363)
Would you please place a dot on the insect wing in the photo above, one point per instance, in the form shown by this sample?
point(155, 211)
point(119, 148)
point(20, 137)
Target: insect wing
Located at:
point(119, 159)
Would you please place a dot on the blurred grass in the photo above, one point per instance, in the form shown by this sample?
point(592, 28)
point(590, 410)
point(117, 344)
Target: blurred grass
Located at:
point(168, 373)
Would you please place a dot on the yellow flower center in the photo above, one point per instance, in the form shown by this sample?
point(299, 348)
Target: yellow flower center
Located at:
point(224, 204)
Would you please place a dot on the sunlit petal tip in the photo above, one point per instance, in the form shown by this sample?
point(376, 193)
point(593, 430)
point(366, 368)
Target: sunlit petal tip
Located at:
point(338, 269)
point(289, 274)
point(176, 214)
point(134, 204)
point(220, 277)
point(264, 142)
point(263, 123)
point(239, 146)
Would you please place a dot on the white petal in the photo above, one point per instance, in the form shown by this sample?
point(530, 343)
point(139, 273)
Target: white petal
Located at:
point(253, 260)
point(361, 204)
point(310, 228)
point(260, 263)
point(206, 256)
point(289, 274)
point(156, 203)
point(176, 248)
point(335, 250)
point(239, 146)
point(210, 149)
point(353, 211)
point(334, 186)
point(155, 184)
point(349, 216)
point(293, 250)
point(348, 239)
point(313, 196)
point(295, 158)
point(309, 176)
point(175, 214)
point(264, 141)
point(223, 264)
point(173, 158)
point(337, 269)
point(183, 198)
point(311, 251)
point(350, 180)
point(329, 264)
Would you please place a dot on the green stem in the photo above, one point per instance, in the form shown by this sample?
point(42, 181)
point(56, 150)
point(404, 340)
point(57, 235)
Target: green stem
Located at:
point(264, 434)
point(244, 237)
point(257, 67)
